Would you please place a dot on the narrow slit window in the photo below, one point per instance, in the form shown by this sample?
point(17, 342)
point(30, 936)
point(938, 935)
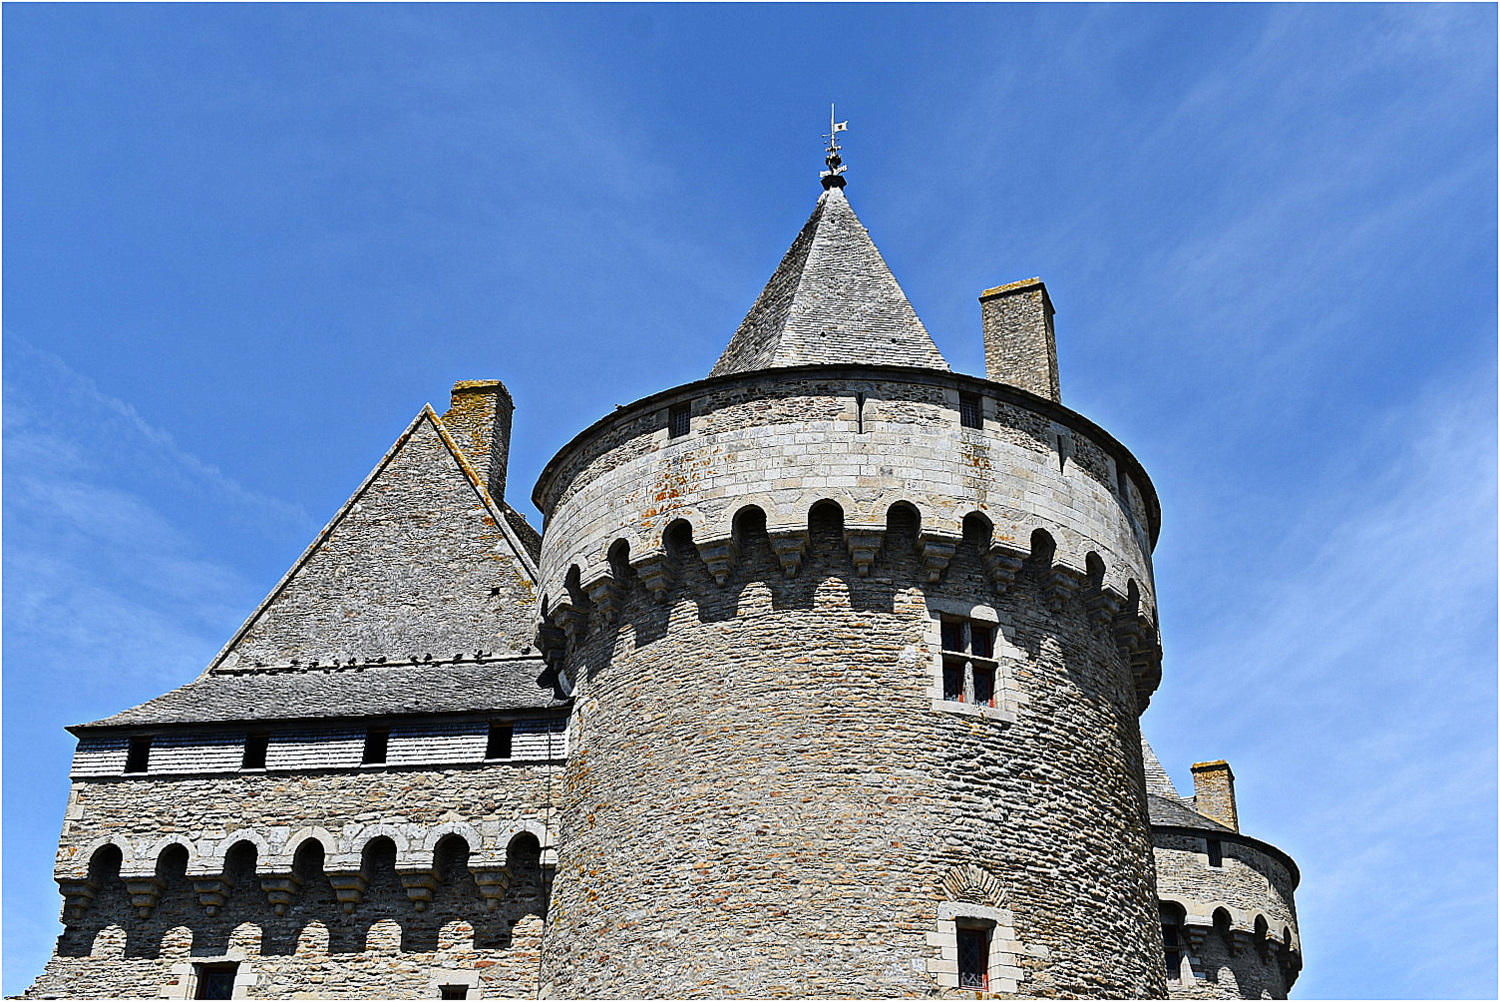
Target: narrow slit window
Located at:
point(970, 410)
point(1171, 952)
point(256, 744)
point(679, 420)
point(376, 740)
point(859, 412)
point(973, 958)
point(138, 755)
point(499, 741)
point(1215, 852)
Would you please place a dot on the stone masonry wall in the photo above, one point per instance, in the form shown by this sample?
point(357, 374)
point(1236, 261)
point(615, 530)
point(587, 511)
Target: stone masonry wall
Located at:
point(764, 795)
point(1239, 919)
point(421, 911)
point(785, 442)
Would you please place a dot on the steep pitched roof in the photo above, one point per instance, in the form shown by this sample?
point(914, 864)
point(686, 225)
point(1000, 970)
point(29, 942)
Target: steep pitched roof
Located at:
point(1158, 783)
point(831, 300)
point(420, 561)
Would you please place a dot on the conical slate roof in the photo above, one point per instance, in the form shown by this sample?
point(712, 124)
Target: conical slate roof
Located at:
point(831, 300)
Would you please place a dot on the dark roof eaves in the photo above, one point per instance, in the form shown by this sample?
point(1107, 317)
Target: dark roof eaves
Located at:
point(918, 374)
point(560, 708)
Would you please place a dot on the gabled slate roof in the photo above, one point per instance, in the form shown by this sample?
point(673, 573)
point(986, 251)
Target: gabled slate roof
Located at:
point(832, 300)
point(354, 691)
point(421, 562)
point(418, 597)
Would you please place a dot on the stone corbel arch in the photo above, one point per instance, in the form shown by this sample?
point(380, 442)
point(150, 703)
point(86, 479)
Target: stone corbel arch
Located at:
point(930, 510)
point(77, 867)
point(298, 838)
point(146, 865)
point(211, 852)
point(354, 846)
point(462, 829)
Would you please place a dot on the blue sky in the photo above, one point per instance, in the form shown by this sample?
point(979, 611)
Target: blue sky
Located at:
point(245, 243)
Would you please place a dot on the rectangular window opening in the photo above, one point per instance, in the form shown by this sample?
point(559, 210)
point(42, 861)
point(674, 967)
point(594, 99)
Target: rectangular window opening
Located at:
point(453, 991)
point(973, 958)
point(970, 410)
point(138, 755)
point(984, 685)
point(982, 640)
point(376, 739)
point(1215, 852)
point(499, 741)
point(216, 981)
point(679, 420)
point(953, 635)
point(256, 744)
point(953, 680)
point(1171, 952)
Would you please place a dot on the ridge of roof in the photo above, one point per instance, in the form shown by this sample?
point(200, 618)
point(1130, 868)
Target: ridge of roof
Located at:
point(832, 299)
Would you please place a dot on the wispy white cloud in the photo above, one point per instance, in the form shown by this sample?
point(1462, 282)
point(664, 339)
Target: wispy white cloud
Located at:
point(114, 579)
point(1355, 691)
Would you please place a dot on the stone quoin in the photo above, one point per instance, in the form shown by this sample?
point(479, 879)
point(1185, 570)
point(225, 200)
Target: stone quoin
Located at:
point(823, 679)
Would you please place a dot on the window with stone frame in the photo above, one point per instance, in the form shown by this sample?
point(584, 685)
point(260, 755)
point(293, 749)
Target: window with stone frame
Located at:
point(974, 955)
point(215, 981)
point(969, 665)
point(971, 410)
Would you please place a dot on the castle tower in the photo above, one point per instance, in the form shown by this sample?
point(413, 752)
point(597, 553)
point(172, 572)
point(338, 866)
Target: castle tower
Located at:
point(858, 647)
point(1229, 922)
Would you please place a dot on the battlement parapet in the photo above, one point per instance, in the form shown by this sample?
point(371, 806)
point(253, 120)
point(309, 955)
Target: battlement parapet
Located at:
point(864, 437)
point(588, 606)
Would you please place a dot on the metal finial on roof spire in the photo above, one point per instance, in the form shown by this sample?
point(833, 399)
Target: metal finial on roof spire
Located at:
point(832, 177)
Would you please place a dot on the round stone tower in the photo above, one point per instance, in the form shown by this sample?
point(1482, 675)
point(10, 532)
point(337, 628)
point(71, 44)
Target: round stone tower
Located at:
point(858, 646)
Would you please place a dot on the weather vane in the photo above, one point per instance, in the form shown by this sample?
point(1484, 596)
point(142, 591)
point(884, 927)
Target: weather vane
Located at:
point(832, 177)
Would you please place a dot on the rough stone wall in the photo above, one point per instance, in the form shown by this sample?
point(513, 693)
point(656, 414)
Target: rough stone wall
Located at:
point(764, 797)
point(1239, 919)
point(383, 946)
point(478, 417)
point(416, 564)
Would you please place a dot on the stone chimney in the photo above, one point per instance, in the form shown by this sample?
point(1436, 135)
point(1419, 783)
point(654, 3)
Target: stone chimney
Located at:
point(478, 418)
point(1019, 346)
point(1213, 793)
